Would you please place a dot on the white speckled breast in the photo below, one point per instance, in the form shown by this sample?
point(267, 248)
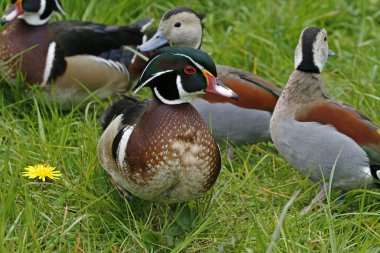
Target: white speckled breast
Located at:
point(171, 155)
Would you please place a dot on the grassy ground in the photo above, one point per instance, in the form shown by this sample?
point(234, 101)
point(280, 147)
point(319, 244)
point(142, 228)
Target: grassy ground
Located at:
point(82, 213)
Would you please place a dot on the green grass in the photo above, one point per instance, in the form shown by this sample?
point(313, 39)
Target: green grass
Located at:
point(82, 213)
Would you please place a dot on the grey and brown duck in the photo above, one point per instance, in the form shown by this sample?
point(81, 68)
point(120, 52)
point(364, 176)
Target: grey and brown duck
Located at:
point(63, 57)
point(161, 150)
point(241, 122)
point(325, 139)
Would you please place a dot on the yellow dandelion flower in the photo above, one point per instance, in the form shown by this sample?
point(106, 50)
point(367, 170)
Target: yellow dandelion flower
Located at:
point(378, 131)
point(41, 171)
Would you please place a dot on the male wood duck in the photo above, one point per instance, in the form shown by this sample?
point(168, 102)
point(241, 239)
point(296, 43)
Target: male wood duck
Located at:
point(162, 150)
point(316, 133)
point(66, 53)
point(241, 122)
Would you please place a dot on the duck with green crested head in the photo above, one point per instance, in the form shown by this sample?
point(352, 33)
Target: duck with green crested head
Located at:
point(329, 141)
point(161, 150)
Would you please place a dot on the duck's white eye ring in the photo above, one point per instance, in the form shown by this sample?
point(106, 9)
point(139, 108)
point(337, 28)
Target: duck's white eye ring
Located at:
point(189, 70)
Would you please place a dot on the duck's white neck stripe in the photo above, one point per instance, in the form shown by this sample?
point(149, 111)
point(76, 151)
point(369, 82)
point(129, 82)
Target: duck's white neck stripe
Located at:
point(166, 101)
point(34, 19)
point(184, 96)
point(122, 149)
point(49, 63)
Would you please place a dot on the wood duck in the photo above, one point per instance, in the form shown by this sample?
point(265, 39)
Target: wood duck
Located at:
point(241, 122)
point(66, 53)
point(316, 133)
point(162, 150)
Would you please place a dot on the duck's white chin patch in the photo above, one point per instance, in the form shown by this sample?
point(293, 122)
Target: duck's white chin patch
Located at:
point(34, 19)
point(167, 101)
point(184, 96)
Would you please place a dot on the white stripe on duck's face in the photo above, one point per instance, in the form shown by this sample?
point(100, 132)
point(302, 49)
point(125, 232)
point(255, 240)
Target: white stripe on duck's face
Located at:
point(312, 50)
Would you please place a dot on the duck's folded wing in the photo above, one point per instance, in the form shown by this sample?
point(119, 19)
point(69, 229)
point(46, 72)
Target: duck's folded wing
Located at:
point(347, 121)
point(78, 37)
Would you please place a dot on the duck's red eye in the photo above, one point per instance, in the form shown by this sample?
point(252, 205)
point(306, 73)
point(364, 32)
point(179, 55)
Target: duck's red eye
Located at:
point(189, 70)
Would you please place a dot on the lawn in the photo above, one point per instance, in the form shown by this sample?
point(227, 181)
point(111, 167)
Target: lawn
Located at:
point(81, 212)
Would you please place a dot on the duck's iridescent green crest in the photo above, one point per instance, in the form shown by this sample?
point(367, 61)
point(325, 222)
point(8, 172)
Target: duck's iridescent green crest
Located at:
point(191, 70)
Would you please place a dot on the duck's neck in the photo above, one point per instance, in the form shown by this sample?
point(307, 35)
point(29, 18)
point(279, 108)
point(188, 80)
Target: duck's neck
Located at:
point(180, 111)
point(303, 87)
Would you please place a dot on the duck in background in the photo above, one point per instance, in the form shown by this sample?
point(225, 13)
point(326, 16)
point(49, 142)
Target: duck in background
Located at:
point(64, 57)
point(161, 150)
point(245, 121)
point(319, 136)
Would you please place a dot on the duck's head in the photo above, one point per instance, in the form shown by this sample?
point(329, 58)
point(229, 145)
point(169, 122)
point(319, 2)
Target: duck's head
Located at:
point(176, 75)
point(312, 50)
point(181, 26)
point(33, 12)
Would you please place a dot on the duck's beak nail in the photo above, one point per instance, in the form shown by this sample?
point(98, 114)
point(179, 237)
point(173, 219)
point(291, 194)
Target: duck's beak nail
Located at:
point(331, 53)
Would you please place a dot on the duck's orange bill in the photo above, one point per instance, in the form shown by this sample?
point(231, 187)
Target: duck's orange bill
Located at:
point(215, 86)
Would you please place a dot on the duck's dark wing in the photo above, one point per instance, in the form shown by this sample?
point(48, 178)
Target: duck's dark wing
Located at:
point(130, 107)
point(78, 37)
